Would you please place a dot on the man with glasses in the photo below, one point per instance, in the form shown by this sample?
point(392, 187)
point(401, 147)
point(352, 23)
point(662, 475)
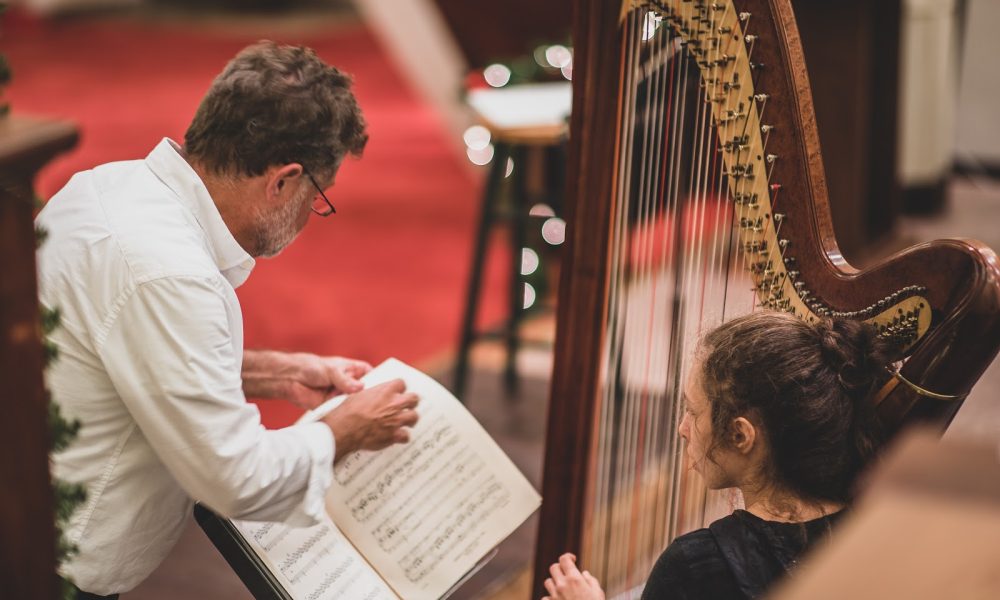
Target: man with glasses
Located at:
point(143, 258)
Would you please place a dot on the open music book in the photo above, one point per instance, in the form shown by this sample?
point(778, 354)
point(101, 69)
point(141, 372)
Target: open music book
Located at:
point(408, 522)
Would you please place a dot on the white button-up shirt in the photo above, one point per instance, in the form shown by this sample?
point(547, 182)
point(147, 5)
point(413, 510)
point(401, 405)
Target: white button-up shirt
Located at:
point(143, 269)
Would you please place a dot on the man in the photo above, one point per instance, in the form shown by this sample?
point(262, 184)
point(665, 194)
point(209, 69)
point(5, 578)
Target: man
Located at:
point(142, 260)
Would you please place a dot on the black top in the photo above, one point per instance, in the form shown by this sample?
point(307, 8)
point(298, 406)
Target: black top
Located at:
point(736, 557)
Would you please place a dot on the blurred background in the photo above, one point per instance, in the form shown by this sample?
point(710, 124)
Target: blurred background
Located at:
point(431, 260)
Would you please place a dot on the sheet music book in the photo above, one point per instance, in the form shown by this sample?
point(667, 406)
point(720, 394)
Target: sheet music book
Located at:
point(410, 522)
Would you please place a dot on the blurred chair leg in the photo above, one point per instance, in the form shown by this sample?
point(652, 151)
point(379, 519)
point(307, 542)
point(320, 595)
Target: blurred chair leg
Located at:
point(487, 216)
point(518, 240)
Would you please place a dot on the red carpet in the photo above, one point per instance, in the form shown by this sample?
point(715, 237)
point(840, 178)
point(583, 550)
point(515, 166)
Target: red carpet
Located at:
point(383, 277)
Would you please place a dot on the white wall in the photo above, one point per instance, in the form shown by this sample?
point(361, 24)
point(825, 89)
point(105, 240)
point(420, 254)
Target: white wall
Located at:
point(978, 131)
point(928, 78)
point(418, 39)
point(949, 95)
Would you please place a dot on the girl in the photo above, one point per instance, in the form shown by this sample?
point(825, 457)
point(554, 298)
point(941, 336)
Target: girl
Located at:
point(780, 409)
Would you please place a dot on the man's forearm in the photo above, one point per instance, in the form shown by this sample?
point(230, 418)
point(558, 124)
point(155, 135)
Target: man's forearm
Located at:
point(268, 373)
point(304, 379)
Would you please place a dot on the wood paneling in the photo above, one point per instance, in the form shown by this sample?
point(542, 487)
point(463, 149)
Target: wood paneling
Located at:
point(852, 55)
point(27, 534)
point(490, 31)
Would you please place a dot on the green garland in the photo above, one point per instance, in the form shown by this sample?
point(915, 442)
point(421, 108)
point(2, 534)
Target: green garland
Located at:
point(67, 496)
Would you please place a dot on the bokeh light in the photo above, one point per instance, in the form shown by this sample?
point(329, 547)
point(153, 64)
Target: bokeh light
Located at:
point(541, 210)
point(558, 56)
point(496, 75)
point(529, 261)
point(540, 56)
point(529, 295)
point(481, 156)
point(554, 231)
point(477, 137)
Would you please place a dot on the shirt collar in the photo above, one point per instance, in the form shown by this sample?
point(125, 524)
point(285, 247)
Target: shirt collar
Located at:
point(167, 163)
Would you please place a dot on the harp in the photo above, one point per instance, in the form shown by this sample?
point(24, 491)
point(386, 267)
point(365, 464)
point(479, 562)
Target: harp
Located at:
point(697, 193)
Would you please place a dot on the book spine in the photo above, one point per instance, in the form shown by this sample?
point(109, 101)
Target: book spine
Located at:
point(252, 571)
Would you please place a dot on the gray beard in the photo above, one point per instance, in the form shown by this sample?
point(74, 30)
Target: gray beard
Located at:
point(277, 228)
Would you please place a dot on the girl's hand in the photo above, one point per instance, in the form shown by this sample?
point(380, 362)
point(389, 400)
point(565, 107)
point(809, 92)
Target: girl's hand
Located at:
point(568, 583)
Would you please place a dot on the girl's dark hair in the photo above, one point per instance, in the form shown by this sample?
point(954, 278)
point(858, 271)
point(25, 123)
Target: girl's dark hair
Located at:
point(808, 387)
point(275, 105)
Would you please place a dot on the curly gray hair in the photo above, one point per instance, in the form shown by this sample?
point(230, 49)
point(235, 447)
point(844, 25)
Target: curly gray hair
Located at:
point(275, 105)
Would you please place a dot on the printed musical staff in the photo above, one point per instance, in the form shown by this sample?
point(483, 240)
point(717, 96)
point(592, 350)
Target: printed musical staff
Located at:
point(317, 562)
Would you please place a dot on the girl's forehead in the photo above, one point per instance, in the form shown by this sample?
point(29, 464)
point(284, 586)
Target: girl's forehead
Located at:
point(693, 392)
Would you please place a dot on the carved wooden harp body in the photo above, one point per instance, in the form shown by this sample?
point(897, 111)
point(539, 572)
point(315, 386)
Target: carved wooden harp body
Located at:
point(696, 194)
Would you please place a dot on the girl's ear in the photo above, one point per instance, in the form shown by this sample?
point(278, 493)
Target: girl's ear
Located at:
point(744, 435)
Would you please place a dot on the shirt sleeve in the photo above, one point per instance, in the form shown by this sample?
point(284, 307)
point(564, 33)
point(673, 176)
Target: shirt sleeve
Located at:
point(169, 353)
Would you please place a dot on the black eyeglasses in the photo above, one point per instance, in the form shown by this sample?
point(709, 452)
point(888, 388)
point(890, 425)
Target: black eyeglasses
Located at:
point(324, 208)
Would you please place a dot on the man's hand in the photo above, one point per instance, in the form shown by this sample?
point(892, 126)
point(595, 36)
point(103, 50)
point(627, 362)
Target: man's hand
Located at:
point(568, 583)
point(373, 419)
point(306, 380)
point(320, 377)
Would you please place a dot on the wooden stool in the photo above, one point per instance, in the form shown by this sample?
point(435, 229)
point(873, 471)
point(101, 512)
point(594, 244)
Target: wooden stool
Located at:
point(521, 120)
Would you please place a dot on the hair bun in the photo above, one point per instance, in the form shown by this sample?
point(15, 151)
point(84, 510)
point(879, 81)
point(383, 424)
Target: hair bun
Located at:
point(855, 352)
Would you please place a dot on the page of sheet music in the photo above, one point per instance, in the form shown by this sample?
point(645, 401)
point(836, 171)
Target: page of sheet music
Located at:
point(315, 563)
point(425, 512)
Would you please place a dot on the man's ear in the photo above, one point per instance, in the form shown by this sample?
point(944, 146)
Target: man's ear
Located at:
point(744, 435)
point(278, 178)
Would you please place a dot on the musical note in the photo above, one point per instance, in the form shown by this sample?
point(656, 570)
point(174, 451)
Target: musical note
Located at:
point(303, 557)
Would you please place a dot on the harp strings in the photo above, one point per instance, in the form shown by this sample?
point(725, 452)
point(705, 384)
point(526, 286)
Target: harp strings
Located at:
point(627, 429)
point(721, 225)
point(631, 402)
point(601, 544)
point(634, 399)
point(672, 244)
point(696, 272)
point(650, 488)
